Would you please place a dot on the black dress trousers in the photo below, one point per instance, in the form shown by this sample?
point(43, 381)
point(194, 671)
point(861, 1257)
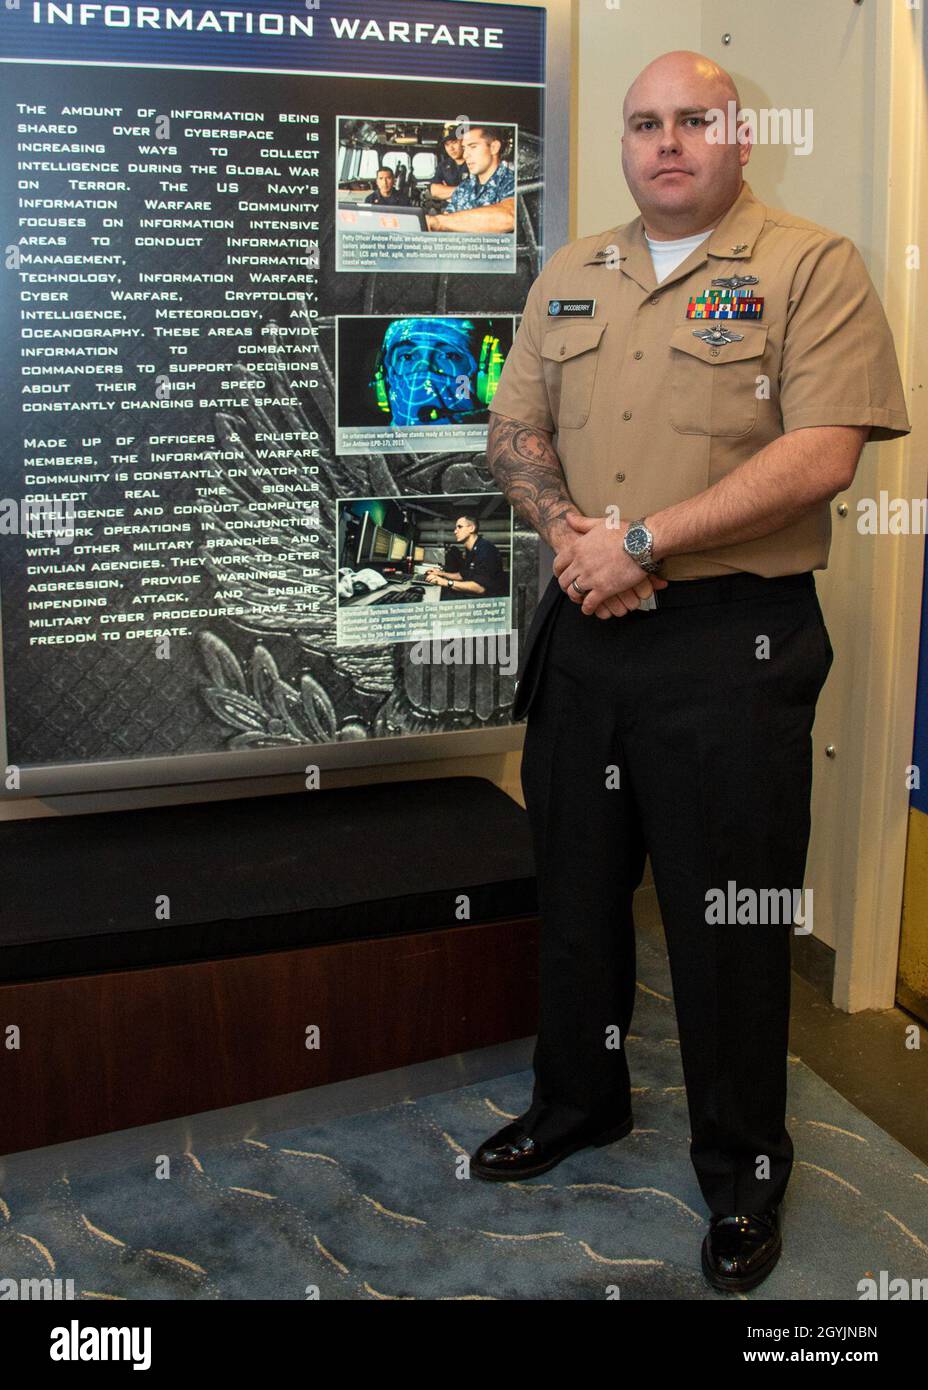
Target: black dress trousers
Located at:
point(681, 734)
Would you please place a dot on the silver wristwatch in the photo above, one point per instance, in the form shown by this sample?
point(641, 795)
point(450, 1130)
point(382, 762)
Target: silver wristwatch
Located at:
point(637, 543)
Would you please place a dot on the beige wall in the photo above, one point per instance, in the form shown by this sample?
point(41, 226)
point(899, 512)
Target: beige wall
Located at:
point(783, 53)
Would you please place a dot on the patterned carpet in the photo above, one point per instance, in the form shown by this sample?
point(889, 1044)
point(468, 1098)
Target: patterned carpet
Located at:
point(374, 1206)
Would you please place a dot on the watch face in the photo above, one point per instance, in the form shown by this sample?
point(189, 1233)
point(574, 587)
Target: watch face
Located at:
point(637, 539)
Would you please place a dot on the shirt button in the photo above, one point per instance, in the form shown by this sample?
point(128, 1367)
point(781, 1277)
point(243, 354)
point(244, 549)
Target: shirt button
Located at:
point(655, 299)
point(626, 414)
point(620, 477)
point(638, 356)
point(563, 349)
point(713, 352)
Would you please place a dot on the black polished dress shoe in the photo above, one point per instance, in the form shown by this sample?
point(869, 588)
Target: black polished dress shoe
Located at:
point(512, 1153)
point(740, 1251)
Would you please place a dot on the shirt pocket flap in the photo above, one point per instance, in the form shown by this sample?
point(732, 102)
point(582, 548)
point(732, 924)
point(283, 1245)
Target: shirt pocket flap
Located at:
point(753, 341)
point(570, 339)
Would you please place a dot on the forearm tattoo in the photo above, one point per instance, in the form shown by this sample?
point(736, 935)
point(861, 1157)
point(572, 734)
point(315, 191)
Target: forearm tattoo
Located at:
point(527, 469)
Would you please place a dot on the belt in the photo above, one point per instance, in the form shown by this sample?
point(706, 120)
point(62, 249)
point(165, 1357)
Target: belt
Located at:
point(682, 593)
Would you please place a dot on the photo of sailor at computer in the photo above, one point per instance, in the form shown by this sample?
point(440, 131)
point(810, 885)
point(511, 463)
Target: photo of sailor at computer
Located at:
point(409, 565)
point(420, 384)
point(416, 194)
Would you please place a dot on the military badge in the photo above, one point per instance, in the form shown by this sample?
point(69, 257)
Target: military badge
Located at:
point(718, 337)
point(734, 282)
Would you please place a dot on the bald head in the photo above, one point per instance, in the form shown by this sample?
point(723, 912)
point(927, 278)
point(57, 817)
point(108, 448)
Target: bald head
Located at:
point(693, 71)
point(682, 181)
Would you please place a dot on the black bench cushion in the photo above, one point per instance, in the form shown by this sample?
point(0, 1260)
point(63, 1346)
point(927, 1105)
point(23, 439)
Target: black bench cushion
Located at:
point(258, 874)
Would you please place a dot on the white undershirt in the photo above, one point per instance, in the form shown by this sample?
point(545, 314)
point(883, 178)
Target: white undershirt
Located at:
point(667, 255)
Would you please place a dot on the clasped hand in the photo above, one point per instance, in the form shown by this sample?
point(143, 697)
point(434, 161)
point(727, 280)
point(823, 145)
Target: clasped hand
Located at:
point(595, 557)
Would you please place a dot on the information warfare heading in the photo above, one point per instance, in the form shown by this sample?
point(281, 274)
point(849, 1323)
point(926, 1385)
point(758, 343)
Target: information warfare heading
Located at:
point(428, 38)
point(265, 22)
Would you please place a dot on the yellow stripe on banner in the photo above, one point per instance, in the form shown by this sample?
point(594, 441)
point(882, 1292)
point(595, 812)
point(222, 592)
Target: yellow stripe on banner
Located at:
point(912, 979)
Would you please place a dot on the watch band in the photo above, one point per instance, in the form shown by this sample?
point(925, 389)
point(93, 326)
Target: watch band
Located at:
point(641, 555)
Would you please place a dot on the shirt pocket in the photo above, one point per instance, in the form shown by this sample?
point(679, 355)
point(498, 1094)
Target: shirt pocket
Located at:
point(570, 358)
point(713, 390)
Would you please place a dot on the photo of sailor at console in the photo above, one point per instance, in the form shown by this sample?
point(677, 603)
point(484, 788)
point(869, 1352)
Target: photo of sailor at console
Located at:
point(423, 179)
point(425, 550)
point(422, 384)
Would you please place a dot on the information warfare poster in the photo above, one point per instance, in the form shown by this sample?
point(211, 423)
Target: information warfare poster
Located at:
point(262, 269)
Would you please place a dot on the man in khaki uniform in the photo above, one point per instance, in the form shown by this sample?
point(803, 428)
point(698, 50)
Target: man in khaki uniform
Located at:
point(685, 396)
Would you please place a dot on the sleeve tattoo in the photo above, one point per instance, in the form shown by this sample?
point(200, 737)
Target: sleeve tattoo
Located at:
point(524, 464)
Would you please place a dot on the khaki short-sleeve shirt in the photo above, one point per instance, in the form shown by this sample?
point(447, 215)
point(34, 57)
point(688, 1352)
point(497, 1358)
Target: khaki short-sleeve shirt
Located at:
point(646, 414)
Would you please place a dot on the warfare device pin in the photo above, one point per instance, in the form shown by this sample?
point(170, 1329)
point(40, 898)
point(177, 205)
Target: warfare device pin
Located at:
point(717, 337)
point(735, 282)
